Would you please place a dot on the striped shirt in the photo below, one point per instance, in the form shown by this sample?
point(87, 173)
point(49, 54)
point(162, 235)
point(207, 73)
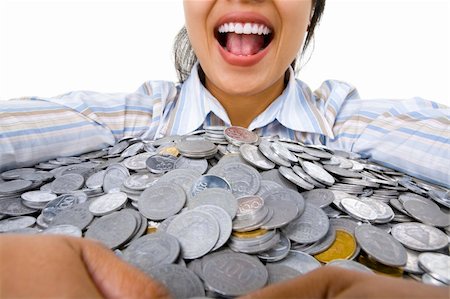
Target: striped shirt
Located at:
point(411, 135)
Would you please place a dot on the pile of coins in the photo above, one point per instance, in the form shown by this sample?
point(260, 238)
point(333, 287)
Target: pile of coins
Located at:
point(222, 212)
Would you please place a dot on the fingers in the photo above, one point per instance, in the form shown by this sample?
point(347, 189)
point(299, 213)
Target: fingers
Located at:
point(333, 282)
point(313, 285)
point(114, 278)
point(42, 267)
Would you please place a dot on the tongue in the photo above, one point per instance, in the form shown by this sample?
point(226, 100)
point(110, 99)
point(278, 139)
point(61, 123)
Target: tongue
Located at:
point(244, 44)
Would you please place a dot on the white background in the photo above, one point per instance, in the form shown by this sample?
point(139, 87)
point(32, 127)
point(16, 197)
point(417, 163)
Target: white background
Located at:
point(386, 48)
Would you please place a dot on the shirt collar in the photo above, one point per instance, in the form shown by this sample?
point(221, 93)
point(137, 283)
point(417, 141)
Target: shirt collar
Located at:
point(296, 108)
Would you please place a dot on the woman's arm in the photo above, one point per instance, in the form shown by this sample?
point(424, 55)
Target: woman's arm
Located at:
point(412, 136)
point(34, 130)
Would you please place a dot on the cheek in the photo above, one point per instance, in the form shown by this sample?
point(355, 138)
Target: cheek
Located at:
point(295, 15)
point(196, 13)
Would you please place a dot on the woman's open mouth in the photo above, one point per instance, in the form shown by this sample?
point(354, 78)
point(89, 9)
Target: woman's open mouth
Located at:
point(243, 39)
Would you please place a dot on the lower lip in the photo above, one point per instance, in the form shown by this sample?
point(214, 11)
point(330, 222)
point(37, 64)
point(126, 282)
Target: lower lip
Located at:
point(239, 60)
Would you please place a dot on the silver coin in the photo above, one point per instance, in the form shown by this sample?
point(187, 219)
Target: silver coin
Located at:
point(253, 156)
point(419, 237)
point(217, 197)
point(140, 181)
point(185, 178)
point(286, 207)
point(208, 182)
point(426, 213)
point(384, 212)
point(305, 156)
point(190, 227)
point(412, 262)
point(289, 174)
point(436, 265)
point(200, 165)
point(252, 222)
point(318, 173)
point(321, 245)
point(179, 281)
point(249, 206)
point(160, 163)
point(266, 150)
point(339, 171)
point(107, 203)
point(317, 152)
point(95, 181)
point(249, 247)
point(380, 245)
point(63, 229)
point(311, 226)
point(300, 261)
point(275, 176)
point(137, 162)
point(350, 265)
point(232, 158)
point(358, 210)
point(238, 135)
point(14, 186)
point(67, 183)
point(428, 279)
point(278, 252)
point(301, 173)
point(115, 176)
point(234, 274)
point(267, 186)
point(38, 196)
point(118, 148)
point(197, 148)
point(132, 150)
point(161, 201)
point(14, 207)
point(16, 223)
point(441, 197)
point(152, 250)
point(319, 197)
point(113, 230)
point(244, 180)
point(293, 146)
point(223, 219)
point(60, 203)
point(77, 215)
point(279, 273)
point(283, 152)
point(14, 174)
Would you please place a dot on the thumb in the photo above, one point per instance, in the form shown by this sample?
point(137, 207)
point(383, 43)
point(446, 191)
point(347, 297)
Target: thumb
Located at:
point(115, 278)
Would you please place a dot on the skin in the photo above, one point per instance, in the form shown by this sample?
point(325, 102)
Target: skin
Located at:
point(264, 82)
point(57, 267)
point(65, 267)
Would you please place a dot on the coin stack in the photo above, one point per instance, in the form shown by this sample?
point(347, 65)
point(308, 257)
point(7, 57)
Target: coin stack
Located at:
point(222, 212)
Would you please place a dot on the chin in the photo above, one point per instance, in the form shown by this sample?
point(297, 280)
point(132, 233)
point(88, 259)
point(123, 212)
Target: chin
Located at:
point(240, 88)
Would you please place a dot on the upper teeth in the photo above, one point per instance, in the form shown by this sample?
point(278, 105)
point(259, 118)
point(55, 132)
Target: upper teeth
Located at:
point(244, 28)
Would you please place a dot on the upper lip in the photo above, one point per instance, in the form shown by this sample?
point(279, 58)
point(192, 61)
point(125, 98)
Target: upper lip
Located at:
point(244, 17)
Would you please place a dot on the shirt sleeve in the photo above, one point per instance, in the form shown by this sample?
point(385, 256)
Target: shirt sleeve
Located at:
point(33, 130)
point(412, 136)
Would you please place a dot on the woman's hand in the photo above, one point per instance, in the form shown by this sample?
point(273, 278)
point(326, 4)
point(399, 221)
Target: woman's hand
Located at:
point(333, 282)
point(56, 267)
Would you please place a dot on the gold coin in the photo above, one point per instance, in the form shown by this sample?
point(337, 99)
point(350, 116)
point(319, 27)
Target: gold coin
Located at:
point(380, 268)
point(151, 230)
point(343, 247)
point(173, 151)
point(251, 234)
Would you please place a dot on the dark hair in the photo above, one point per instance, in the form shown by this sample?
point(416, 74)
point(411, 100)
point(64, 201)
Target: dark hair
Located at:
point(185, 58)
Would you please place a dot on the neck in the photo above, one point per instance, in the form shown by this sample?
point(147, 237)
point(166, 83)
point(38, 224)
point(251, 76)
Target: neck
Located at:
point(242, 110)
